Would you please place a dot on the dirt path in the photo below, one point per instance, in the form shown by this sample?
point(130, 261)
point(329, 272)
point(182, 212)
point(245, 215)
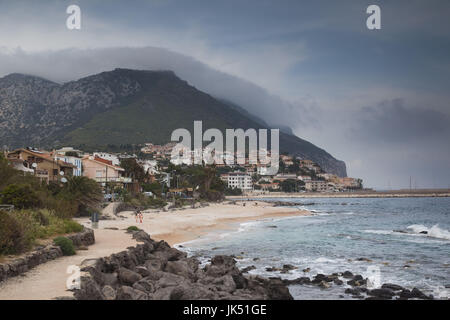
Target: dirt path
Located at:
point(48, 280)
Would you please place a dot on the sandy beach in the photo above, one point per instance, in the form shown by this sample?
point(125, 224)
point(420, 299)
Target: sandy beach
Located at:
point(184, 225)
point(48, 280)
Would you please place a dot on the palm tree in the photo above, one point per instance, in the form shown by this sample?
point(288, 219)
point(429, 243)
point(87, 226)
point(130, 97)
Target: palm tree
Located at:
point(86, 192)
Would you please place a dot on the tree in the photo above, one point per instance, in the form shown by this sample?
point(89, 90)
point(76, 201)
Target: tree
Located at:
point(133, 170)
point(86, 192)
point(6, 172)
point(21, 196)
point(289, 185)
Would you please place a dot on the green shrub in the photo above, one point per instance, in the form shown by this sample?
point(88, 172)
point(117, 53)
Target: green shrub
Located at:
point(71, 226)
point(132, 228)
point(66, 245)
point(22, 196)
point(13, 239)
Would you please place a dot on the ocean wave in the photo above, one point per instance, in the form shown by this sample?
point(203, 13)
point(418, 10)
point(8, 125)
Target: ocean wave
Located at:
point(416, 230)
point(433, 232)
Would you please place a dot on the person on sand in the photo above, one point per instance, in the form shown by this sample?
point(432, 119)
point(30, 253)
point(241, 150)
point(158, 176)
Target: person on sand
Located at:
point(136, 213)
point(141, 216)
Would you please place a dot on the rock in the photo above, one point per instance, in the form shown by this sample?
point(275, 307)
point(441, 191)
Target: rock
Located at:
point(278, 291)
point(298, 281)
point(358, 277)
point(416, 293)
point(381, 293)
point(354, 291)
point(272, 269)
point(423, 232)
point(109, 293)
point(225, 283)
point(321, 277)
point(89, 290)
point(141, 236)
point(393, 287)
point(306, 270)
point(289, 267)
point(347, 275)
point(247, 269)
point(240, 281)
point(146, 285)
point(128, 277)
point(180, 268)
point(324, 285)
point(169, 280)
point(128, 293)
point(154, 270)
point(338, 282)
point(221, 265)
point(143, 271)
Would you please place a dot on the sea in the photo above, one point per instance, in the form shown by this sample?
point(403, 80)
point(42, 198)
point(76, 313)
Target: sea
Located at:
point(405, 241)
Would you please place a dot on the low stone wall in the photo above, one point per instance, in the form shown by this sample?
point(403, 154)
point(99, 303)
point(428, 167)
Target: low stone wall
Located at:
point(83, 238)
point(42, 254)
point(155, 271)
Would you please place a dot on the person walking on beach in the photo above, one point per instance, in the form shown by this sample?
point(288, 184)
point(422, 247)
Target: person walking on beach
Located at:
point(136, 213)
point(140, 216)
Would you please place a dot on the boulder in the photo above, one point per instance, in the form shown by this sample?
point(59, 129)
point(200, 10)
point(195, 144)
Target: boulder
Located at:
point(347, 275)
point(128, 293)
point(381, 293)
point(128, 277)
point(392, 286)
point(109, 293)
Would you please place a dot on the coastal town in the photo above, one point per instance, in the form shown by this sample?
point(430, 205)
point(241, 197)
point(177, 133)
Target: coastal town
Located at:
point(111, 171)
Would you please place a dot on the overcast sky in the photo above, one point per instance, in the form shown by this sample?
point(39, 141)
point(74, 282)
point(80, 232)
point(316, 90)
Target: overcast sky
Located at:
point(377, 99)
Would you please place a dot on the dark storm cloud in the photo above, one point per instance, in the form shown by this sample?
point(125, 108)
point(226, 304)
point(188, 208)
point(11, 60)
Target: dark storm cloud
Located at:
point(72, 64)
point(377, 99)
point(393, 122)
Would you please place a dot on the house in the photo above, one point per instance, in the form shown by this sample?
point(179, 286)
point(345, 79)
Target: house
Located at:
point(103, 171)
point(240, 180)
point(72, 156)
point(284, 176)
point(108, 156)
point(288, 160)
point(41, 163)
point(269, 186)
point(304, 178)
point(316, 185)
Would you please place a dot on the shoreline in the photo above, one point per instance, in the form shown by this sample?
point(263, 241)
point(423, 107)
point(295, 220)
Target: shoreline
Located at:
point(48, 280)
point(374, 194)
point(187, 224)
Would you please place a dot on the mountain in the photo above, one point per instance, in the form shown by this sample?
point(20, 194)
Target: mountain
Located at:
point(124, 107)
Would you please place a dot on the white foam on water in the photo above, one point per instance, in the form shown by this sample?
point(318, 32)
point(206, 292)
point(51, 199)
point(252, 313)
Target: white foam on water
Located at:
point(433, 232)
point(379, 231)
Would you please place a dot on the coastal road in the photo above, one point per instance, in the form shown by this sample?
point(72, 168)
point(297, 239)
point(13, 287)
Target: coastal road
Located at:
point(48, 280)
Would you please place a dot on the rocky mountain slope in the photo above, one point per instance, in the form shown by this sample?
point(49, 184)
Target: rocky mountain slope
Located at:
point(123, 107)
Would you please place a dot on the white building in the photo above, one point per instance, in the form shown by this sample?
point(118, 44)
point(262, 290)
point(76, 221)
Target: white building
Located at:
point(60, 154)
point(316, 185)
point(240, 180)
point(77, 162)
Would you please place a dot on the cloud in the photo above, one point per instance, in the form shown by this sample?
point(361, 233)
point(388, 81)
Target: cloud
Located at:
point(71, 64)
point(393, 123)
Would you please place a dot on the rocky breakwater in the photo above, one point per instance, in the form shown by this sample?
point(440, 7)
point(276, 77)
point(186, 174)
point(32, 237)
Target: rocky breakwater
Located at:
point(42, 254)
point(154, 271)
